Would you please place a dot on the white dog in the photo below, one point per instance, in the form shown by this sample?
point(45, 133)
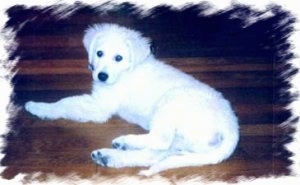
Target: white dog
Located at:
point(189, 123)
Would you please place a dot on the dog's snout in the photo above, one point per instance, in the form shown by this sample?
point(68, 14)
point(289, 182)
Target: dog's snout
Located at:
point(102, 76)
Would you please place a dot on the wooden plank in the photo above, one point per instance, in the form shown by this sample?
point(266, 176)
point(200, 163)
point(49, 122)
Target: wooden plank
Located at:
point(83, 82)
point(261, 95)
point(169, 51)
point(213, 71)
point(178, 62)
point(50, 41)
point(53, 82)
point(244, 79)
point(117, 126)
point(189, 65)
point(159, 37)
point(245, 118)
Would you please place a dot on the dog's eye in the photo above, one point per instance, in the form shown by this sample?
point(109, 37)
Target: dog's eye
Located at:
point(99, 53)
point(118, 58)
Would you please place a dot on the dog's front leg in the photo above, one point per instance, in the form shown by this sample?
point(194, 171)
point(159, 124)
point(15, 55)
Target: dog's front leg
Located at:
point(78, 108)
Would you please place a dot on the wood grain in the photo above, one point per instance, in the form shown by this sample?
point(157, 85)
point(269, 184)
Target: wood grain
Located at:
point(53, 65)
point(63, 146)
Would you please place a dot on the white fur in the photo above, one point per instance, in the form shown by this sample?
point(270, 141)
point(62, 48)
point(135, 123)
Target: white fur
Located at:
point(189, 123)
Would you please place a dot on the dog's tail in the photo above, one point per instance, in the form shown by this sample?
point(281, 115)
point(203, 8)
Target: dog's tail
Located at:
point(225, 149)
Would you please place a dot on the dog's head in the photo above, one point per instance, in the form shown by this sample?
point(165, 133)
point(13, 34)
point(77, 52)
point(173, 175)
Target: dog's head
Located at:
point(113, 50)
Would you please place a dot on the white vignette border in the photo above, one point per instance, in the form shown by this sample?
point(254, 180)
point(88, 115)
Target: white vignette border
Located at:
point(7, 109)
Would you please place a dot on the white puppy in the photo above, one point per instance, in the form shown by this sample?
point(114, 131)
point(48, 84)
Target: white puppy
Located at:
point(189, 123)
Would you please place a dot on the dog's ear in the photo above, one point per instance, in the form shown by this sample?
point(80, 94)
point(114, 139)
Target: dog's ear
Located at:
point(89, 36)
point(139, 48)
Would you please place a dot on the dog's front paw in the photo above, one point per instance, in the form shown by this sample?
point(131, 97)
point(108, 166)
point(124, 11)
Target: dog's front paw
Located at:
point(124, 143)
point(99, 157)
point(119, 143)
point(107, 158)
point(42, 110)
point(129, 142)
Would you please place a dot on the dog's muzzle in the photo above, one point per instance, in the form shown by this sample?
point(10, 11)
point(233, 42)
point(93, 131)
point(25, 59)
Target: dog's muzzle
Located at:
point(102, 76)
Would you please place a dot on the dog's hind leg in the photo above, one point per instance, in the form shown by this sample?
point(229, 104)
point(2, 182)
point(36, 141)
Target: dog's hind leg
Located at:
point(81, 108)
point(197, 158)
point(156, 139)
point(143, 141)
point(160, 137)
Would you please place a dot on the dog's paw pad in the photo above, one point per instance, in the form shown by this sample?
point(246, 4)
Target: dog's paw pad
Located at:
point(119, 145)
point(96, 155)
point(109, 158)
point(100, 158)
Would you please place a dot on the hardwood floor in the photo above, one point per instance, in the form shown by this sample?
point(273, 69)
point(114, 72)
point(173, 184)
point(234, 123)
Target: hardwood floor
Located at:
point(53, 65)
point(62, 147)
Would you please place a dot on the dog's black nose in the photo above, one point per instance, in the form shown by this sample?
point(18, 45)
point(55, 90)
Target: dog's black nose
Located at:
point(102, 76)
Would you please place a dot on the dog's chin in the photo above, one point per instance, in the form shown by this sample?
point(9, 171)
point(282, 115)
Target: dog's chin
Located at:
point(107, 82)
